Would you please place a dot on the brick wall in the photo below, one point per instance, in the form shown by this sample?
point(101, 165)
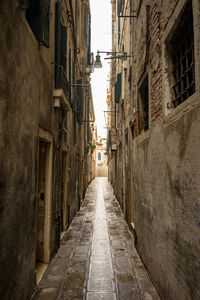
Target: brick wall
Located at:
point(156, 67)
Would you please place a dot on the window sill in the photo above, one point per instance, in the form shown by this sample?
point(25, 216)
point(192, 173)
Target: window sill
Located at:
point(60, 99)
point(183, 108)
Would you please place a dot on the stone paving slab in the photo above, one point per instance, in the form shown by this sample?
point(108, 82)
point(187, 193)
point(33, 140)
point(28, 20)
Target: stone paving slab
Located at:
point(101, 296)
point(97, 259)
point(71, 263)
point(132, 280)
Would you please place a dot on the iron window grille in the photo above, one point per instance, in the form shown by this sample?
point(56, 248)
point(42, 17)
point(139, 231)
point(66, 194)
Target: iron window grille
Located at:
point(183, 57)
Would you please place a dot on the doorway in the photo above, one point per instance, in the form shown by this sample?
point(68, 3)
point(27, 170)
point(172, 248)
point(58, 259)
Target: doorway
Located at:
point(43, 204)
point(64, 214)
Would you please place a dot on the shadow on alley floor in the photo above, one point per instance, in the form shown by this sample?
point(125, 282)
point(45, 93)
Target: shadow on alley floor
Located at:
point(97, 258)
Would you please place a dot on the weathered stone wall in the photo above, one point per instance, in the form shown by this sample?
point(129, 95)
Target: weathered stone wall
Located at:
point(166, 194)
point(27, 104)
point(161, 164)
point(165, 169)
point(25, 85)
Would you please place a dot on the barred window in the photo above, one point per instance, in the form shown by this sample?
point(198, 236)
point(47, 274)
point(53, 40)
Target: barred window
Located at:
point(183, 57)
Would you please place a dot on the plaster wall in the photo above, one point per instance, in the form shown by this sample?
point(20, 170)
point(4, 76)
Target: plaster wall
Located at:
point(166, 201)
point(27, 104)
point(162, 163)
point(165, 165)
point(102, 171)
point(25, 89)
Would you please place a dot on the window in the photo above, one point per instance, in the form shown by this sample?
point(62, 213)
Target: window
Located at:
point(38, 17)
point(182, 47)
point(99, 155)
point(119, 6)
point(60, 38)
point(61, 81)
point(79, 102)
point(118, 88)
point(75, 126)
point(64, 127)
point(144, 105)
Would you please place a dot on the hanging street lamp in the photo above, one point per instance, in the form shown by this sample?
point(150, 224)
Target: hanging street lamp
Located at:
point(122, 55)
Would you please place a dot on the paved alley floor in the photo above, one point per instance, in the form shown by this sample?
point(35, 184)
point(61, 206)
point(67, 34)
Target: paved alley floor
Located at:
point(97, 258)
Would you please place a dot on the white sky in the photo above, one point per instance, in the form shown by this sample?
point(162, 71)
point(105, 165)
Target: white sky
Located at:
point(101, 39)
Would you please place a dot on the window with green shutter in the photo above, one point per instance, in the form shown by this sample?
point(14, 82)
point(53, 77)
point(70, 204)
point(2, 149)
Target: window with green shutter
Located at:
point(60, 39)
point(119, 6)
point(86, 25)
point(70, 66)
point(38, 17)
point(63, 49)
point(109, 139)
point(61, 81)
point(118, 88)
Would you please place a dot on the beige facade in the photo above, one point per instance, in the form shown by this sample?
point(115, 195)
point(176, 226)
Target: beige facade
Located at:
point(155, 169)
point(101, 157)
point(45, 106)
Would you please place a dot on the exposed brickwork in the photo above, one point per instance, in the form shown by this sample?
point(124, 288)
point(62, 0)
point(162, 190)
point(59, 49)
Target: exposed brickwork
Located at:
point(156, 75)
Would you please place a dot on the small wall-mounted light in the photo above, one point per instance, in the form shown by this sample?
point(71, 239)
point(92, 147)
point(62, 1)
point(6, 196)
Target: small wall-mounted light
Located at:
point(97, 63)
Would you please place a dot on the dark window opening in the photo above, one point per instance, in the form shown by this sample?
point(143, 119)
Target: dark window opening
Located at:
point(183, 57)
point(64, 127)
point(118, 88)
point(79, 102)
point(75, 126)
point(61, 81)
point(99, 156)
point(133, 131)
point(144, 105)
point(126, 136)
point(38, 17)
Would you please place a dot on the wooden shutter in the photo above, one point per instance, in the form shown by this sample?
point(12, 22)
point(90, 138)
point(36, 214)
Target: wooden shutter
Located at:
point(119, 6)
point(38, 17)
point(86, 19)
point(70, 66)
point(60, 39)
point(118, 88)
point(57, 33)
point(57, 45)
point(79, 102)
point(63, 48)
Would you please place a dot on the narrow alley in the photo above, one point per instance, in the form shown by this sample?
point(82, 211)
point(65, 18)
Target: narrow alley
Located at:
point(99, 149)
point(97, 258)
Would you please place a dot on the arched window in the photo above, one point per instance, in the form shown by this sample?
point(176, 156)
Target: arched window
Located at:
point(99, 156)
